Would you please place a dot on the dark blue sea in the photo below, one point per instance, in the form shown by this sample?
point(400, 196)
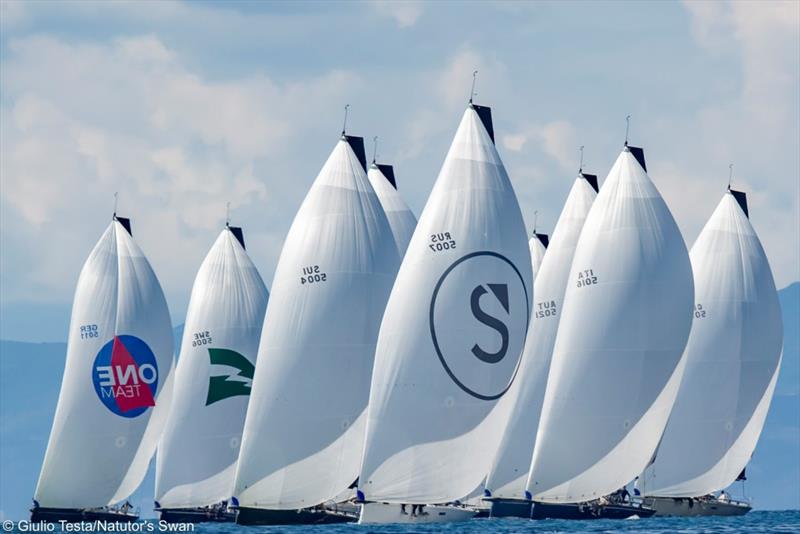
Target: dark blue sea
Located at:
point(754, 522)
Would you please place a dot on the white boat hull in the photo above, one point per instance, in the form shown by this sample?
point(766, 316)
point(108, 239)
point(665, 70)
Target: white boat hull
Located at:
point(695, 507)
point(382, 513)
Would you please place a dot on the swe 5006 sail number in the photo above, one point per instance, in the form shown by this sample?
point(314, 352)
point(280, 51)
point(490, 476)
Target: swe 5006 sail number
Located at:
point(201, 338)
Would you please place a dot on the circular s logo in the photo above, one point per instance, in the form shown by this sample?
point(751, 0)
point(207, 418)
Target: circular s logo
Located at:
point(478, 319)
point(125, 376)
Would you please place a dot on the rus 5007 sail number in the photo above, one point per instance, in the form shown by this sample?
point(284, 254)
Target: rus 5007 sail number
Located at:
point(312, 275)
point(442, 241)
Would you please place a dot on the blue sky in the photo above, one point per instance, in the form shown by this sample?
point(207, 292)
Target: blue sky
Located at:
point(183, 107)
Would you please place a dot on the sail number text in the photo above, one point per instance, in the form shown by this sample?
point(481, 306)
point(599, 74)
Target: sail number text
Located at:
point(546, 309)
point(586, 278)
point(89, 331)
point(442, 241)
point(201, 338)
point(312, 275)
point(699, 311)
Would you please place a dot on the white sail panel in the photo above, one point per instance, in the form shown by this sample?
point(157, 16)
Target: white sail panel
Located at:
point(401, 219)
point(509, 470)
point(615, 366)
point(199, 449)
point(113, 394)
point(538, 249)
point(732, 360)
point(452, 334)
point(304, 428)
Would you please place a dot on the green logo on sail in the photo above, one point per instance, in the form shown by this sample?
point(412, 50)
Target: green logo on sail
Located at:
point(231, 385)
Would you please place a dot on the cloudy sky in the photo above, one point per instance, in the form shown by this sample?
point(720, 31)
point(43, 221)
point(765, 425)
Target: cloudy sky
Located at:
point(183, 107)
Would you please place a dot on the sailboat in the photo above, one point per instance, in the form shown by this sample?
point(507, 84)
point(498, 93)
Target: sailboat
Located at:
point(616, 362)
point(538, 245)
point(505, 485)
point(198, 452)
point(116, 390)
point(304, 430)
point(401, 219)
point(450, 340)
point(732, 362)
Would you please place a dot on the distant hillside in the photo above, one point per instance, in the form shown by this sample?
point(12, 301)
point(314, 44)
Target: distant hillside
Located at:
point(30, 378)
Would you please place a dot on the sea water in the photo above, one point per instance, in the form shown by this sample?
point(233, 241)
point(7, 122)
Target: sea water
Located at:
point(754, 522)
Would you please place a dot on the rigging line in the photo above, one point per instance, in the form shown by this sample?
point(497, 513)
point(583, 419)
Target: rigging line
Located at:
point(344, 124)
point(730, 175)
point(472, 92)
point(627, 128)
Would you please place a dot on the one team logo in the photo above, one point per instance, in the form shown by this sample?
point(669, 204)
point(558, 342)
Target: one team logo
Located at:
point(125, 376)
point(232, 384)
point(479, 334)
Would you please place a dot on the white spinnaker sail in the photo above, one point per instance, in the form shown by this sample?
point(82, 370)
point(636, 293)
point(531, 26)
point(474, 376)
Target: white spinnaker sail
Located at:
point(538, 248)
point(117, 380)
point(616, 362)
point(452, 334)
point(509, 470)
point(401, 220)
point(304, 431)
point(198, 452)
point(732, 361)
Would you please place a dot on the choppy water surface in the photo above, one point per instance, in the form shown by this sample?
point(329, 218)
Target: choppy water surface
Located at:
point(755, 522)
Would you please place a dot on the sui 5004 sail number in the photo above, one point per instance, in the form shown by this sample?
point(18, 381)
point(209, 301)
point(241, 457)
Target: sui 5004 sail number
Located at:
point(699, 311)
point(442, 241)
point(586, 278)
point(312, 275)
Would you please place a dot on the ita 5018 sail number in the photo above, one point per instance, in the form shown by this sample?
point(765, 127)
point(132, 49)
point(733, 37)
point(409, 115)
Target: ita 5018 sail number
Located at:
point(313, 275)
point(586, 278)
point(442, 241)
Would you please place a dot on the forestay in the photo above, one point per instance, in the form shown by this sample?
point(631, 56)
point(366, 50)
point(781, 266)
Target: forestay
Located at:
point(117, 381)
point(732, 360)
point(453, 332)
point(509, 470)
point(401, 219)
point(616, 362)
point(197, 455)
point(304, 429)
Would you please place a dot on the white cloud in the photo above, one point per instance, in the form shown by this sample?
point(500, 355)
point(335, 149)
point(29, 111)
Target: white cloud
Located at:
point(556, 139)
point(12, 13)
point(755, 127)
point(404, 12)
point(81, 121)
point(514, 142)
